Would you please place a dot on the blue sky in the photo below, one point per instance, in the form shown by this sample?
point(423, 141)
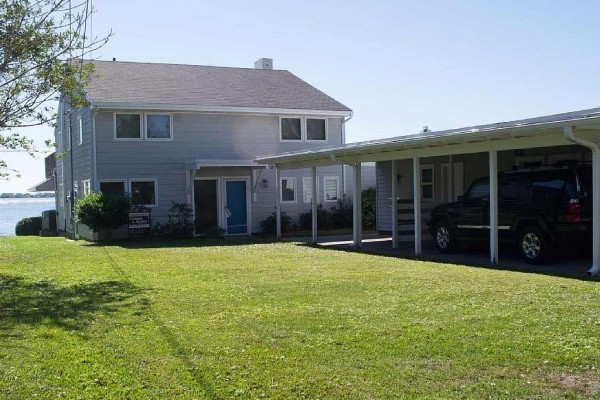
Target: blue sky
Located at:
point(399, 65)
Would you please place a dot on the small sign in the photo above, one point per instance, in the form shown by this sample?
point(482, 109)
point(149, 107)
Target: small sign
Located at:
point(139, 220)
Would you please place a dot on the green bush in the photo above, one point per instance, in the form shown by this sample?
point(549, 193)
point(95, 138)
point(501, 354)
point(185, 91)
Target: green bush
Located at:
point(269, 224)
point(369, 208)
point(324, 219)
point(181, 221)
point(29, 226)
point(103, 212)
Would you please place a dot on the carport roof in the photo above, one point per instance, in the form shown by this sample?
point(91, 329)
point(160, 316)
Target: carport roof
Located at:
point(359, 151)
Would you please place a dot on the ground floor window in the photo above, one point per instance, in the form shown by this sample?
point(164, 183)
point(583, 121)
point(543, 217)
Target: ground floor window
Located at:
point(143, 192)
point(288, 190)
point(112, 187)
point(330, 185)
point(427, 182)
point(85, 187)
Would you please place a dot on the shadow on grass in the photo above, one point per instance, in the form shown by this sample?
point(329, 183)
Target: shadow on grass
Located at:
point(563, 266)
point(69, 307)
point(160, 242)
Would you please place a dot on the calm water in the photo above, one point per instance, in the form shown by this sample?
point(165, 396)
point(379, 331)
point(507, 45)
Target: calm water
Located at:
point(14, 210)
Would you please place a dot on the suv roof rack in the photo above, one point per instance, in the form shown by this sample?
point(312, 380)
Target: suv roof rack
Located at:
point(549, 167)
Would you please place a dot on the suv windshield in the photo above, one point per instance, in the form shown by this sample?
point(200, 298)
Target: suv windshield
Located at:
point(479, 190)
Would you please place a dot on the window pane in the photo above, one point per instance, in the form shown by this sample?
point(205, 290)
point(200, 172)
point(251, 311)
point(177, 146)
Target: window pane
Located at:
point(143, 193)
point(128, 126)
point(290, 129)
point(427, 192)
point(112, 187)
point(427, 175)
point(287, 190)
point(315, 129)
point(159, 126)
point(331, 189)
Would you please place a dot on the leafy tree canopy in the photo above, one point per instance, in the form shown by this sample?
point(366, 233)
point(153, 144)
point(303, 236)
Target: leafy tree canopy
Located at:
point(42, 47)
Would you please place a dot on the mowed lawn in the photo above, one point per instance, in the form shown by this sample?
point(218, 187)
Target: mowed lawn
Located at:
point(226, 319)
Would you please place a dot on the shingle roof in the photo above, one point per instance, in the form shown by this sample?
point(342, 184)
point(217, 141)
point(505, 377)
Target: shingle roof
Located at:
point(196, 85)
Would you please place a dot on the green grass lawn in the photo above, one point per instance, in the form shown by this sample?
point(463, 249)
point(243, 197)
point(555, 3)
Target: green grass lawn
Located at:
point(225, 319)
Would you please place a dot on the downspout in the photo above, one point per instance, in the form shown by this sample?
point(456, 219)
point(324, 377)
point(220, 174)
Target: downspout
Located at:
point(595, 148)
point(344, 120)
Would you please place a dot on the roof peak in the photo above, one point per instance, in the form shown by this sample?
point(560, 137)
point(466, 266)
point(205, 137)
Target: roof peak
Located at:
point(183, 64)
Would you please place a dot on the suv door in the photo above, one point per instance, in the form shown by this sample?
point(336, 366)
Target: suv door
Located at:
point(469, 214)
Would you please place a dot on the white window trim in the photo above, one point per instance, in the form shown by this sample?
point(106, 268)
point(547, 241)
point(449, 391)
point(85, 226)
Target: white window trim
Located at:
point(281, 190)
point(302, 130)
point(123, 181)
point(337, 188)
point(316, 140)
point(80, 124)
point(305, 184)
point(141, 138)
point(432, 168)
point(145, 127)
point(85, 187)
point(155, 180)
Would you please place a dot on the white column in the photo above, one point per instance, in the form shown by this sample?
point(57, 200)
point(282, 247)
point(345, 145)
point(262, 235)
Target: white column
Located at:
point(451, 177)
point(417, 203)
point(277, 204)
point(394, 206)
point(493, 157)
point(315, 199)
point(596, 212)
point(357, 206)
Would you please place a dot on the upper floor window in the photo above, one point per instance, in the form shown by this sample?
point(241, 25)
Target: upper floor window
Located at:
point(316, 129)
point(128, 126)
point(158, 126)
point(291, 129)
point(303, 129)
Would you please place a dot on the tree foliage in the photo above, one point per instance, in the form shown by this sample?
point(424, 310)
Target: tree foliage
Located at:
point(103, 212)
point(42, 47)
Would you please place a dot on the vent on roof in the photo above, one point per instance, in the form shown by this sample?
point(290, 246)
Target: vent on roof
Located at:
point(264, 63)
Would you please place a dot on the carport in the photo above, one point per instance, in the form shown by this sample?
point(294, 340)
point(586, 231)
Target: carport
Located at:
point(574, 128)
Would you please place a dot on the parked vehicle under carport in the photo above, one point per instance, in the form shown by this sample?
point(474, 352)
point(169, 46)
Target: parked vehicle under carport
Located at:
point(539, 209)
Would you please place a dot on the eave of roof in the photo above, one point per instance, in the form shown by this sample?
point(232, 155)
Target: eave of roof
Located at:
point(445, 137)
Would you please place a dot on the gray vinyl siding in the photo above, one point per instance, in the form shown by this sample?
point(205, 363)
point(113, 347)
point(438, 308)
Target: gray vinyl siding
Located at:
point(201, 136)
point(79, 155)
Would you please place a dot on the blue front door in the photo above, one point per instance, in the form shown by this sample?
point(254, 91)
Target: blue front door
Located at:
point(236, 210)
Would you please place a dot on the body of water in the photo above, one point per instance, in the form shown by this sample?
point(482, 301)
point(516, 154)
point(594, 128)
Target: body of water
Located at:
point(14, 210)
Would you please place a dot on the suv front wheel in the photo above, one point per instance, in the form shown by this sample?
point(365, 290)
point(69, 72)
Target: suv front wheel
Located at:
point(533, 245)
point(444, 237)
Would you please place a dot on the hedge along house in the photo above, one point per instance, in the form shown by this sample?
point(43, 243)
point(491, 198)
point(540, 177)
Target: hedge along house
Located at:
point(419, 171)
point(189, 134)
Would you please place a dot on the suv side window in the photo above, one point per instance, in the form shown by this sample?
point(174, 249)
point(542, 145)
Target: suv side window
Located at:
point(552, 186)
point(479, 190)
point(514, 188)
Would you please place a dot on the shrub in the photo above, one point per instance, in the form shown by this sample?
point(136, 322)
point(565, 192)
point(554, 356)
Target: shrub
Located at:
point(181, 221)
point(29, 226)
point(324, 219)
point(341, 216)
point(369, 211)
point(269, 224)
point(103, 212)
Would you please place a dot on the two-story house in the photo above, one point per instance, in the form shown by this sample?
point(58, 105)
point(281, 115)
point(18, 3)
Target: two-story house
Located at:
point(189, 134)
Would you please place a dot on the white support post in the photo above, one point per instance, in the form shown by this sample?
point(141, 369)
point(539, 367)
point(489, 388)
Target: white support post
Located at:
point(277, 204)
point(493, 158)
point(315, 199)
point(357, 206)
point(595, 213)
point(451, 177)
point(417, 203)
point(394, 206)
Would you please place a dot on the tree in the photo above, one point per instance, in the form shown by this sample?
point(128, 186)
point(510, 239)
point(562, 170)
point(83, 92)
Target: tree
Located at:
point(42, 47)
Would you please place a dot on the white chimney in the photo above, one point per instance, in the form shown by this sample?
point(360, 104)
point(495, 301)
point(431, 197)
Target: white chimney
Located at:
point(264, 63)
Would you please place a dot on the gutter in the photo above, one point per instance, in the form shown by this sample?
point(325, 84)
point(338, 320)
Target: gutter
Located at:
point(595, 148)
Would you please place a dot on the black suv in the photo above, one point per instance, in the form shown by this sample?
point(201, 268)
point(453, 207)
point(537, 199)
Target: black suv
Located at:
point(537, 208)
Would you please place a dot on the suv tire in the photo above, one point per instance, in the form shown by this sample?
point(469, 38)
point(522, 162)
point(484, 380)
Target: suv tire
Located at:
point(444, 237)
point(533, 245)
